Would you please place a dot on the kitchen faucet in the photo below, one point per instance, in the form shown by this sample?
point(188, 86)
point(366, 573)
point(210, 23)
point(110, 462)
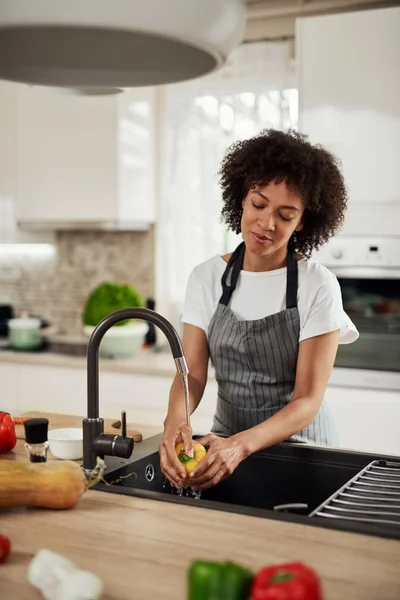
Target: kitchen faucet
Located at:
point(95, 441)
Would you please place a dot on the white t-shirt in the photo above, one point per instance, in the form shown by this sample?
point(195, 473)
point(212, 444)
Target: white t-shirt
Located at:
point(260, 294)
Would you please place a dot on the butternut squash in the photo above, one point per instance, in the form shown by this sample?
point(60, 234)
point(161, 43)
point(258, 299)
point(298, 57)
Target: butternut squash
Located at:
point(58, 484)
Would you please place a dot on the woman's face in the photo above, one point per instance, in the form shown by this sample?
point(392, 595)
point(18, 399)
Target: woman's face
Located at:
point(271, 214)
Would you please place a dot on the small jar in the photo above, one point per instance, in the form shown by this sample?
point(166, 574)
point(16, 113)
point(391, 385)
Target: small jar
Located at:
point(36, 442)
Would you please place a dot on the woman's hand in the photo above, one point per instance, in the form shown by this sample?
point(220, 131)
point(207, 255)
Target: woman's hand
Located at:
point(172, 468)
point(223, 456)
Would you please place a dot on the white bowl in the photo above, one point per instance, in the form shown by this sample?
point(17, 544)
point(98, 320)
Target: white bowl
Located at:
point(121, 342)
point(66, 443)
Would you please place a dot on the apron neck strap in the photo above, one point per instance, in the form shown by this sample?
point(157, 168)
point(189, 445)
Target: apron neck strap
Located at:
point(292, 277)
point(235, 265)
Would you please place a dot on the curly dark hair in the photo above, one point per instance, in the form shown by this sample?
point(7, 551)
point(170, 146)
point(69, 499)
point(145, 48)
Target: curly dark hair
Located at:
point(286, 156)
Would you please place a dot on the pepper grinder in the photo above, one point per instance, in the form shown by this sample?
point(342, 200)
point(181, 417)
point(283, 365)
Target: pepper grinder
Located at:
point(36, 442)
point(150, 339)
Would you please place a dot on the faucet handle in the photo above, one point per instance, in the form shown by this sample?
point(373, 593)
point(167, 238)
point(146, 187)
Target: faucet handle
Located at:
point(123, 423)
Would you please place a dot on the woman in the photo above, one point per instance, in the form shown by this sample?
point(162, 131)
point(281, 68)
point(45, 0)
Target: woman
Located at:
point(269, 317)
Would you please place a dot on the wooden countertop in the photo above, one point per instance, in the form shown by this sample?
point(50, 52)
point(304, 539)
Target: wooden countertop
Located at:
point(142, 548)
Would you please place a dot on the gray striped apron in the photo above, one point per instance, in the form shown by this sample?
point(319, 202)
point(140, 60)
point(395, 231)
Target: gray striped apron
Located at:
point(255, 361)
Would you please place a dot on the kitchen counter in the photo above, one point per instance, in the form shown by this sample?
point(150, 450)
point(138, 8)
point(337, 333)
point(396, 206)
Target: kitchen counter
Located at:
point(146, 362)
point(142, 548)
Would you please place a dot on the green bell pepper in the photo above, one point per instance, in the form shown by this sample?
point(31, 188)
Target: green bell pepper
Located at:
point(218, 581)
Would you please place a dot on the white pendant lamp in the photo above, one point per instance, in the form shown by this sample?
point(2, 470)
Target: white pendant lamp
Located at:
point(104, 44)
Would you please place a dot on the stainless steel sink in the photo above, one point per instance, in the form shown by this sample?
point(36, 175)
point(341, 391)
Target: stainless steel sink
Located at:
point(286, 482)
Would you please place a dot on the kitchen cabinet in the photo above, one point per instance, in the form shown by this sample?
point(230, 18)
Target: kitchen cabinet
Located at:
point(9, 232)
point(9, 397)
point(349, 90)
point(86, 161)
point(367, 420)
point(145, 398)
point(8, 95)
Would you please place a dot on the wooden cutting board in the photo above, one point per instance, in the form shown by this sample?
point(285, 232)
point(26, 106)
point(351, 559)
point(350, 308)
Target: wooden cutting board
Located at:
point(57, 421)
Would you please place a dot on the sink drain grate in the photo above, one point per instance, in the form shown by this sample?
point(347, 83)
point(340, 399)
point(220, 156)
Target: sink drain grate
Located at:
point(372, 496)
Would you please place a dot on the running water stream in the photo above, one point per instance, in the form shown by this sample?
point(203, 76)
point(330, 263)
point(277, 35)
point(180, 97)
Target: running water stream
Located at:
point(185, 380)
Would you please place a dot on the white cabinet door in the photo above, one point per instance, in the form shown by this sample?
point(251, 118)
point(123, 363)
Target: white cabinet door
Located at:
point(7, 161)
point(137, 154)
point(66, 164)
point(144, 398)
point(9, 393)
point(52, 389)
point(367, 420)
point(9, 232)
point(349, 91)
point(86, 159)
point(8, 96)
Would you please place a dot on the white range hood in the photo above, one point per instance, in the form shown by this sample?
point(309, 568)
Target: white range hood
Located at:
point(104, 44)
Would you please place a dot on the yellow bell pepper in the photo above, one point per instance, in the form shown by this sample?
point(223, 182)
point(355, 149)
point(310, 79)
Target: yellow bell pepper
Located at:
point(199, 453)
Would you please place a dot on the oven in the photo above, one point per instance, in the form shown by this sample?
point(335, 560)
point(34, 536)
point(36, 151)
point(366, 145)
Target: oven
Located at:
point(368, 271)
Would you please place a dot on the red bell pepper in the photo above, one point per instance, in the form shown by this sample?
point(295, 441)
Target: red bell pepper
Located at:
point(8, 438)
point(5, 547)
point(291, 581)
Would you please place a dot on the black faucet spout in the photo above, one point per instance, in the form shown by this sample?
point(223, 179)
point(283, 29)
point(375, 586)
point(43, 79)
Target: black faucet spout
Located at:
point(144, 314)
point(93, 426)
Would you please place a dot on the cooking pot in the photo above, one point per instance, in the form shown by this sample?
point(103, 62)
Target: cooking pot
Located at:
point(24, 333)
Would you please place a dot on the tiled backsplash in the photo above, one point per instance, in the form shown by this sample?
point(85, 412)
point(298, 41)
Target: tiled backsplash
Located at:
point(55, 286)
